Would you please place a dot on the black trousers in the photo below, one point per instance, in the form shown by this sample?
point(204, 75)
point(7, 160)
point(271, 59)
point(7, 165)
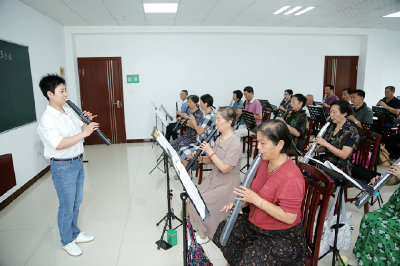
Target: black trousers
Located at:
point(170, 133)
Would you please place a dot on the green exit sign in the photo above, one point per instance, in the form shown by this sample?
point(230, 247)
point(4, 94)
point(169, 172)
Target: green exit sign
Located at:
point(133, 78)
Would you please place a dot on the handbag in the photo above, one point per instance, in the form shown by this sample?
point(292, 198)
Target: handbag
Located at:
point(384, 156)
point(345, 228)
point(196, 254)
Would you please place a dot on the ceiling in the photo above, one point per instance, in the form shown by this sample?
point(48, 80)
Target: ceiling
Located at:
point(327, 13)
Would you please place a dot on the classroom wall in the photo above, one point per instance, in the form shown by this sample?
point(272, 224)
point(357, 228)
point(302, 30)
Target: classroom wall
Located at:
point(219, 60)
point(24, 25)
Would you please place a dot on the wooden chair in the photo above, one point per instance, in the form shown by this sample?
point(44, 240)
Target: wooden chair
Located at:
point(310, 129)
point(313, 217)
point(200, 170)
point(364, 161)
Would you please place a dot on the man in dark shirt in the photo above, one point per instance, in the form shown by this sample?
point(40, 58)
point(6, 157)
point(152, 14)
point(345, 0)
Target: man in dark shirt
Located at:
point(329, 98)
point(362, 114)
point(392, 104)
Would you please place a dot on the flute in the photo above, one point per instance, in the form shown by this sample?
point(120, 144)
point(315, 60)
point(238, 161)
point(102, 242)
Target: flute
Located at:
point(192, 162)
point(88, 121)
point(314, 145)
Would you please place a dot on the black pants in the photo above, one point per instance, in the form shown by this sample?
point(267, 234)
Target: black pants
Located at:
point(170, 133)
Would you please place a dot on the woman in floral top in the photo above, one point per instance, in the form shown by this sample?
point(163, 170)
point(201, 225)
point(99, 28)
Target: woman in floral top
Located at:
point(379, 240)
point(340, 139)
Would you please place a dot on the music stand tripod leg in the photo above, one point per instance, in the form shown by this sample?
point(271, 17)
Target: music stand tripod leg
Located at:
point(248, 151)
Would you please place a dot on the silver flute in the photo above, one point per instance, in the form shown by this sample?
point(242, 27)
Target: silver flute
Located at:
point(321, 133)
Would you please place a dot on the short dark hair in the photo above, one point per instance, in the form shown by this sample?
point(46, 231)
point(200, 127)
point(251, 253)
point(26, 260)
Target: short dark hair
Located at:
point(344, 107)
point(391, 88)
point(289, 91)
point(360, 93)
point(185, 91)
point(349, 91)
point(301, 98)
point(228, 114)
point(194, 98)
point(50, 83)
point(331, 87)
point(249, 89)
point(239, 94)
point(208, 99)
point(276, 130)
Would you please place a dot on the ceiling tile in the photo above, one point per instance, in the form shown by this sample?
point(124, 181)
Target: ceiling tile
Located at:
point(131, 22)
point(28, 2)
point(273, 2)
point(160, 1)
point(380, 12)
point(199, 1)
point(250, 16)
point(226, 8)
point(222, 16)
point(96, 15)
point(191, 16)
point(188, 22)
point(103, 22)
point(316, 23)
point(88, 7)
point(70, 21)
point(243, 2)
point(128, 16)
point(160, 22)
point(125, 7)
point(278, 17)
point(262, 9)
point(306, 3)
point(267, 23)
point(209, 22)
point(160, 16)
point(292, 24)
point(51, 7)
point(119, 1)
point(80, 1)
point(305, 17)
point(374, 4)
point(324, 11)
point(238, 22)
point(342, 3)
point(195, 8)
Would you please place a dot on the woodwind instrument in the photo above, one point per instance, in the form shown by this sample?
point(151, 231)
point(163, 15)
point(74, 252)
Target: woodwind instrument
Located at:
point(314, 145)
point(237, 206)
point(192, 164)
point(240, 116)
point(179, 125)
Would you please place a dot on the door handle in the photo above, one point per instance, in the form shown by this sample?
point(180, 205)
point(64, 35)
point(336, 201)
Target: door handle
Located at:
point(118, 103)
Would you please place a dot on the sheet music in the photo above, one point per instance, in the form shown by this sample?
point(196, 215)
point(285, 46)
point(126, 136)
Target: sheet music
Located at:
point(155, 105)
point(166, 112)
point(161, 117)
point(331, 166)
point(187, 183)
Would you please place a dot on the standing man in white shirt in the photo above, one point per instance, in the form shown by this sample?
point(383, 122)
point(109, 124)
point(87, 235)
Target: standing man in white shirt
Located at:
point(62, 134)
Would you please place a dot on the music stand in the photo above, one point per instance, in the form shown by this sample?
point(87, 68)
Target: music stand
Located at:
point(190, 191)
point(380, 111)
point(331, 169)
point(162, 157)
point(317, 113)
point(167, 115)
point(250, 123)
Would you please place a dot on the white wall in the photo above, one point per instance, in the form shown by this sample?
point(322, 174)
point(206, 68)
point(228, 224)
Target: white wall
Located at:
point(22, 24)
point(215, 61)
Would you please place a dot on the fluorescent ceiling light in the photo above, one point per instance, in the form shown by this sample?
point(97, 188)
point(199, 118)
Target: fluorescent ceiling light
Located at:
point(160, 8)
point(281, 9)
point(304, 11)
point(393, 15)
point(293, 10)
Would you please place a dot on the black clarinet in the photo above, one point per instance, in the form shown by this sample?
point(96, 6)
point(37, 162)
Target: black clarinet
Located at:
point(278, 111)
point(293, 144)
point(180, 125)
point(287, 112)
point(192, 164)
point(88, 121)
point(240, 116)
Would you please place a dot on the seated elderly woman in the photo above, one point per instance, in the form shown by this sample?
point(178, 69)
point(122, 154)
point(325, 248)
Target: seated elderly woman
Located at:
point(285, 104)
point(216, 190)
point(297, 121)
point(378, 242)
point(340, 139)
point(237, 103)
point(189, 136)
point(272, 233)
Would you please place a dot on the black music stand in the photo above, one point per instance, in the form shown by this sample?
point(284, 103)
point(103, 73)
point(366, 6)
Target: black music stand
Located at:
point(165, 123)
point(380, 111)
point(268, 106)
point(250, 123)
point(317, 113)
point(344, 179)
point(167, 218)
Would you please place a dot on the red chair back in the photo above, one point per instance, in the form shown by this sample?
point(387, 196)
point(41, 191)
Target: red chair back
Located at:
point(313, 218)
point(367, 149)
point(310, 129)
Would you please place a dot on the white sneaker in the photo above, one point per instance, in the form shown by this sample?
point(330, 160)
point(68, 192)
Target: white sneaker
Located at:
point(82, 238)
point(202, 241)
point(72, 249)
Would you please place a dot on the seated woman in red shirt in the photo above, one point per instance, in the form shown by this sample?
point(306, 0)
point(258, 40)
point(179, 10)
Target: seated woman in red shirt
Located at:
point(272, 233)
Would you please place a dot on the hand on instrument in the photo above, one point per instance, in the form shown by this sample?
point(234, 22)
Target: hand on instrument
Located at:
point(352, 118)
point(89, 115)
point(228, 208)
point(247, 195)
point(281, 108)
point(326, 105)
point(373, 180)
point(90, 128)
point(190, 156)
point(382, 103)
point(178, 113)
point(394, 170)
point(184, 115)
point(206, 147)
point(321, 141)
point(308, 147)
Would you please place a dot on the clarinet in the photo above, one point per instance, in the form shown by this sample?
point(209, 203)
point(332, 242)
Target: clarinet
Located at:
point(293, 144)
point(192, 164)
point(177, 109)
point(314, 145)
point(240, 116)
point(179, 125)
point(230, 222)
point(88, 121)
point(382, 181)
point(287, 112)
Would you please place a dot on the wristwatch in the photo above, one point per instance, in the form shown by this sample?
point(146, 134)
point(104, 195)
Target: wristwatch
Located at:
point(356, 122)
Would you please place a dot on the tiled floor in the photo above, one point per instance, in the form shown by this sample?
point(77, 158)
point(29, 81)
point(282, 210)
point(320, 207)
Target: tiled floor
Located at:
point(122, 204)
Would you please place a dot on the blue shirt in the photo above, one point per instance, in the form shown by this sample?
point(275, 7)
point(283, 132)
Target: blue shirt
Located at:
point(184, 106)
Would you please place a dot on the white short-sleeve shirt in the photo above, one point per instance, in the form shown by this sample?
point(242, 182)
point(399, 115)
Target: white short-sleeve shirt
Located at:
point(54, 126)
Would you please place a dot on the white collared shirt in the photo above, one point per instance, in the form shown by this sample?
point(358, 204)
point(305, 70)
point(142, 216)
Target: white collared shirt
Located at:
point(54, 126)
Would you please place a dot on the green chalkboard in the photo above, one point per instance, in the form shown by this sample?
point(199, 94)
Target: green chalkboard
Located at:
point(17, 103)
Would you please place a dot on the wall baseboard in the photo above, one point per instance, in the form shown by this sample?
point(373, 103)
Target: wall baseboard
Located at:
point(21, 190)
point(139, 140)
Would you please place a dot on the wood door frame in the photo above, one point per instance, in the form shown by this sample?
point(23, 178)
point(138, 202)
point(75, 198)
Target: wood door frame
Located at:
point(337, 57)
point(120, 87)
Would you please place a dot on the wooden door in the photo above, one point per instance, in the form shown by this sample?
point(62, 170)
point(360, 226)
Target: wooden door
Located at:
point(341, 72)
point(101, 94)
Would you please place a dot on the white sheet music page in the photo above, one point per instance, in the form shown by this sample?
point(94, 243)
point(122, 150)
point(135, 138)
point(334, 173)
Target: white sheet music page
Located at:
point(155, 105)
point(161, 117)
